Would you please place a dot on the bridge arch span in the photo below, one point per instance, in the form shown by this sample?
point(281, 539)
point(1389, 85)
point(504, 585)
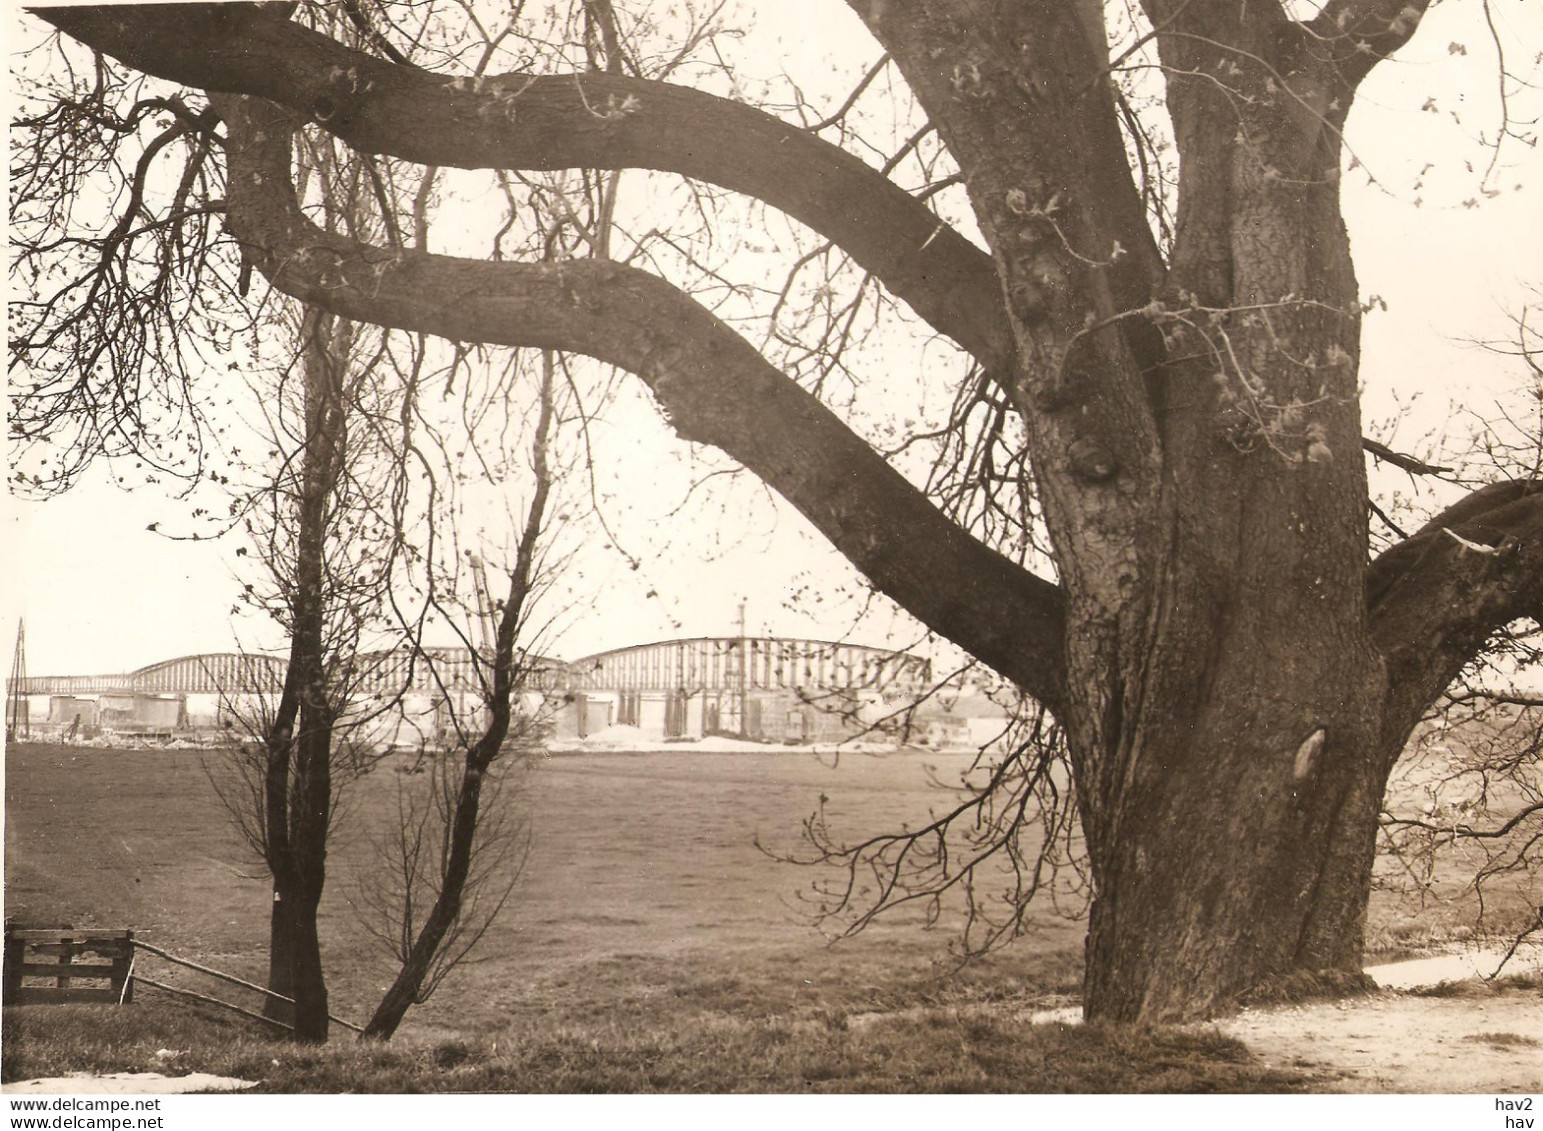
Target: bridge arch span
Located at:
point(748, 663)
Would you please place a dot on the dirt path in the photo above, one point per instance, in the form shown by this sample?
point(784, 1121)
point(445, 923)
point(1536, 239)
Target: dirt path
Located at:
point(1394, 1042)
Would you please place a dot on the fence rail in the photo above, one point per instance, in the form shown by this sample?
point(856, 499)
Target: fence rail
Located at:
point(231, 978)
point(25, 944)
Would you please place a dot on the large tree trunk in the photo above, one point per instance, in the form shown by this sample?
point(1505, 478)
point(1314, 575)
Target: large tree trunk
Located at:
point(281, 958)
point(1196, 441)
point(1235, 773)
point(1238, 850)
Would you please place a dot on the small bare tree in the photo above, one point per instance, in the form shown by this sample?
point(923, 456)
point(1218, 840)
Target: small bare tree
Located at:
point(458, 848)
point(326, 543)
point(324, 587)
point(1464, 826)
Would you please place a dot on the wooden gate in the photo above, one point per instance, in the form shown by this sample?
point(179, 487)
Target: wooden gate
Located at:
point(54, 956)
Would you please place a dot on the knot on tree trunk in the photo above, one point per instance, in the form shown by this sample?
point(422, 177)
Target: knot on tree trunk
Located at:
point(1092, 460)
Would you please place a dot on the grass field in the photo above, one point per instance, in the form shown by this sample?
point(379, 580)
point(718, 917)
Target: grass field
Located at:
point(645, 895)
point(650, 945)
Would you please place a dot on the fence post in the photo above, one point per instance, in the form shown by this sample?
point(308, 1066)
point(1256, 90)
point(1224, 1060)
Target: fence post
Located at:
point(123, 971)
point(14, 949)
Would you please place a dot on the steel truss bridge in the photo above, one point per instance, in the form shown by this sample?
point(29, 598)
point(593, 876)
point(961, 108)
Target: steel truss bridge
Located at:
point(249, 673)
point(709, 663)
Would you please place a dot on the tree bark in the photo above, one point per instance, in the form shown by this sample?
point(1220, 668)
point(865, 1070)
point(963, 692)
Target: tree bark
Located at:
point(281, 957)
point(1238, 850)
point(311, 1018)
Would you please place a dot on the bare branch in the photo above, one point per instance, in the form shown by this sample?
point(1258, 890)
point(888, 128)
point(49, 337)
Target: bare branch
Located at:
point(597, 120)
point(1400, 460)
point(702, 374)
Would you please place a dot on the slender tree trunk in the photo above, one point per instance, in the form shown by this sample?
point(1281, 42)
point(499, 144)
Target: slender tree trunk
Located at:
point(297, 860)
point(407, 988)
point(310, 823)
point(311, 1022)
point(299, 774)
point(277, 848)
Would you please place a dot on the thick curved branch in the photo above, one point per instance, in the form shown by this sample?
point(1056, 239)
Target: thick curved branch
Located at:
point(1359, 34)
point(595, 120)
point(1063, 140)
point(713, 385)
point(1435, 597)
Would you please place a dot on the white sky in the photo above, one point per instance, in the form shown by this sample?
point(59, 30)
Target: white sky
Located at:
point(101, 593)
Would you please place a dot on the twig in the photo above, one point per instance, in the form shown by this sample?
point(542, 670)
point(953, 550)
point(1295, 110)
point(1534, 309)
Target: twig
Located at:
point(1400, 460)
point(873, 73)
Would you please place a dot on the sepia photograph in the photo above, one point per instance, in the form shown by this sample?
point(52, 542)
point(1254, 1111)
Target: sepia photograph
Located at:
point(743, 548)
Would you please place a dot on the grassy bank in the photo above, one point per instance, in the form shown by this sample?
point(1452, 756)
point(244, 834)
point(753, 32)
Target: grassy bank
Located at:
point(925, 1049)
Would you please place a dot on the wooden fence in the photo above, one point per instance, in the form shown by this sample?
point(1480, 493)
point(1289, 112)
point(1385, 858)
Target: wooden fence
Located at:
point(24, 947)
point(65, 958)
